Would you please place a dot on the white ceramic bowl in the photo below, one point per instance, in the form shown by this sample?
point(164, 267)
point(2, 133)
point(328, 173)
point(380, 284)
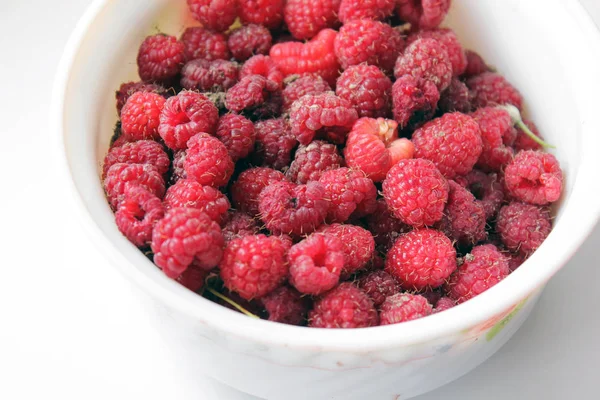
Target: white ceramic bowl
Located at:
point(549, 49)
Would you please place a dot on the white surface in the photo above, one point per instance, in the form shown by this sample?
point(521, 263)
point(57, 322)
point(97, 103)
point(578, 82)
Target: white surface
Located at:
point(71, 327)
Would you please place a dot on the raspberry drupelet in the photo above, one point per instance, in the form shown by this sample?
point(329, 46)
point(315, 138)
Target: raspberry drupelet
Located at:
point(534, 177)
point(487, 189)
point(495, 125)
point(188, 193)
point(378, 285)
point(205, 44)
point(275, 143)
point(303, 85)
point(268, 13)
point(366, 9)
point(523, 227)
point(140, 152)
point(426, 59)
point(423, 14)
point(357, 244)
point(250, 92)
point(286, 305)
point(160, 58)
point(246, 190)
point(349, 192)
point(403, 307)
point(209, 76)
point(344, 307)
point(490, 88)
point(120, 174)
point(249, 40)
point(214, 14)
point(306, 18)
point(140, 116)
point(456, 98)
point(239, 224)
point(450, 41)
point(128, 88)
point(367, 88)
point(414, 101)
point(137, 214)
point(263, 66)
point(237, 134)
point(384, 226)
point(312, 161)
point(207, 161)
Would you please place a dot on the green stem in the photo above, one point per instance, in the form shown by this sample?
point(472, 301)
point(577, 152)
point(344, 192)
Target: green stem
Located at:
point(232, 303)
point(515, 115)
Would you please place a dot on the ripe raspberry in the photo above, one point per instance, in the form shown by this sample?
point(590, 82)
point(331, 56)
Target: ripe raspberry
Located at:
point(403, 307)
point(534, 177)
point(274, 143)
point(487, 189)
point(443, 304)
point(140, 115)
point(357, 244)
point(464, 216)
point(490, 88)
point(426, 59)
point(495, 124)
point(379, 285)
point(432, 296)
point(137, 214)
point(206, 44)
point(415, 101)
point(450, 41)
point(239, 224)
point(250, 92)
point(120, 141)
point(346, 306)
point(293, 209)
point(349, 192)
point(237, 134)
point(214, 14)
point(523, 141)
point(254, 266)
point(286, 305)
point(140, 152)
point(368, 90)
point(268, 13)
point(144, 175)
point(365, 9)
point(185, 236)
point(160, 58)
point(368, 41)
point(188, 193)
point(455, 98)
point(246, 190)
point(129, 88)
point(177, 167)
point(523, 227)
point(209, 76)
point(249, 40)
point(423, 14)
point(312, 161)
point(376, 263)
point(484, 267)
point(301, 86)
point(207, 161)
point(314, 57)
point(452, 142)
point(416, 192)
point(263, 66)
point(186, 115)
point(475, 64)
point(384, 226)
point(193, 278)
point(306, 18)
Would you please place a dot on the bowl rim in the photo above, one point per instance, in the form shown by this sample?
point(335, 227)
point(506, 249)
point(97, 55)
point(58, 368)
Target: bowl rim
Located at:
point(515, 288)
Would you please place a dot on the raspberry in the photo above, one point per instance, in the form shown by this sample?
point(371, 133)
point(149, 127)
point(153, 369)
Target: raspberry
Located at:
point(423, 14)
point(209, 76)
point(384, 226)
point(306, 18)
point(301, 86)
point(237, 134)
point(188, 193)
point(415, 101)
point(129, 88)
point(426, 59)
point(344, 307)
point(140, 152)
point(357, 244)
point(523, 227)
point(286, 305)
point(185, 236)
point(379, 285)
point(534, 177)
point(464, 216)
point(487, 189)
point(263, 66)
point(246, 190)
point(366, 9)
point(144, 175)
point(455, 98)
point(421, 259)
point(239, 224)
point(403, 307)
point(214, 14)
point(254, 266)
point(137, 214)
point(416, 192)
point(268, 13)
point(432, 296)
point(205, 44)
point(368, 41)
point(475, 64)
point(443, 304)
point(450, 41)
point(193, 278)
point(251, 91)
point(312, 161)
point(249, 40)
point(523, 141)
point(314, 57)
point(349, 192)
point(160, 58)
point(368, 90)
point(274, 143)
point(293, 209)
point(495, 124)
point(186, 115)
point(453, 143)
point(491, 88)
point(178, 170)
point(207, 161)
point(376, 263)
point(140, 115)
point(515, 261)
point(484, 267)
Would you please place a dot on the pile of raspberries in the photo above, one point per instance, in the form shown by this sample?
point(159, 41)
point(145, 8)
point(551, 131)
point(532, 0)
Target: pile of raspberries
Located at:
point(328, 163)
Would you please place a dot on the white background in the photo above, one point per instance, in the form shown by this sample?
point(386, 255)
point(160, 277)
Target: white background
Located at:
point(70, 328)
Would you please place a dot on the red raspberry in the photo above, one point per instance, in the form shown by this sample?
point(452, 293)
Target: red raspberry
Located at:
point(271, 108)
point(426, 59)
point(443, 304)
point(246, 190)
point(403, 307)
point(314, 57)
point(379, 44)
point(306, 18)
point(450, 41)
point(379, 285)
point(206, 44)
point(455, 98)
point(140, 152)
point(384, 226)
point(214, 14)
point(464, 216)
point(248, 40)
point(121, 139)
point(303, 85)
point(416, 192)
point(415, 101)
point(534, 177)
point(129, 88)
point(357, 244)
point(254, 266)
point(432, 296)
point(376, 263)
point(186, 115)
point(523, 227)
point(495, 124)
point(263, 66)
point(475, 64)
point(144, 175)
point(193, 278)
point(160, 58)
point(237, 134)
point(366, 9)
point(345, 307)
point(207, 161)
point(250, 92)
point(137, 214)
point(293, 209)
point(490, 88)
point(484, 267)
point(286, 305)
point(421, 259)
point(523, 141)
point(140, 115)
point(349, 192)
point(178, 169)
point(452, 142)
point(515, 261)
point(274, 143)
point(209, 76)
point(188, 193)
point(368, 90)
point(487, 189)
point(312, 161)
point(239, 224)
point(268, 13)
point(185, 236)
point(423, 14)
